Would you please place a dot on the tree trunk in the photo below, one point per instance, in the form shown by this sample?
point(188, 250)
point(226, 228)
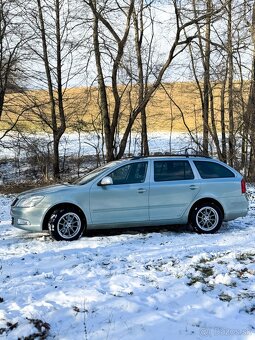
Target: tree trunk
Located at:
point(206, 90)
point(250, 116)
point(231, 139)
point(213, 131)
point(139, 31)
point(145, 144)
point(222, 120)
point(56, 167)
point(102, 94)
point(58, 122)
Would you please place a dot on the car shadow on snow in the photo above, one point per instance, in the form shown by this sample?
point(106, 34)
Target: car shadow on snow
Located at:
point(177, 229)
point(23, 235)
point(139, 230)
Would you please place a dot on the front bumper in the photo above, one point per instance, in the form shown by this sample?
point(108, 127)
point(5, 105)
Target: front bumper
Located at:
point(30, 219)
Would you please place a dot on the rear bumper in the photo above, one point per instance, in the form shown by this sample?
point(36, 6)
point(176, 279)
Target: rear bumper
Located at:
point(236, 207)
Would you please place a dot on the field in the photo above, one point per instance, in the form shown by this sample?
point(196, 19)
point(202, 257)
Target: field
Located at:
point(138, 284)
point(81, 104)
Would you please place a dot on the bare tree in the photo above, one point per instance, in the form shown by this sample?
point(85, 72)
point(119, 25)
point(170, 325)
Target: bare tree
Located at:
point(54, 47)
point(110, 125)
point(250, 112)
point(103, 17)
point(138, 20)
point(11, 40)
point(231, 138)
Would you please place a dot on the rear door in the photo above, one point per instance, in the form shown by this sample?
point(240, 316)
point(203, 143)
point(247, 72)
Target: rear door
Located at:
point(173, 188)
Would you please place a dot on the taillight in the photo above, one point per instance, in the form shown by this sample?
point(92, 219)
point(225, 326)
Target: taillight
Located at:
point(243, 186)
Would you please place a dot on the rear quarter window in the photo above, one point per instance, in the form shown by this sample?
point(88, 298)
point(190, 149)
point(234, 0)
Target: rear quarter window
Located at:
point(213, 170)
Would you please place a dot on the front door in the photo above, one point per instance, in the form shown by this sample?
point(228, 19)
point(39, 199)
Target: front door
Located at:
point(124, 201)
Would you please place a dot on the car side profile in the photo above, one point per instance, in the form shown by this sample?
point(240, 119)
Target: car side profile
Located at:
point(139, 191)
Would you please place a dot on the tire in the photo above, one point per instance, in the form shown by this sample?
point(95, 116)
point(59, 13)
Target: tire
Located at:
point(206, 218)
point(66, 224)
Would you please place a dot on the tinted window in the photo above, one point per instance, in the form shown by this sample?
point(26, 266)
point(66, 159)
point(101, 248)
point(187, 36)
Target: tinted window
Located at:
point(213, 170)
point(130, 173)
point(172, 171)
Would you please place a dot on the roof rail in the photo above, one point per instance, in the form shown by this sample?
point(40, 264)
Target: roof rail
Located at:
point(170, 155)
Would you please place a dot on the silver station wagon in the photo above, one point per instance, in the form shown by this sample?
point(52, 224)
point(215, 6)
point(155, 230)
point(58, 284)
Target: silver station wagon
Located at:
point(139, 191)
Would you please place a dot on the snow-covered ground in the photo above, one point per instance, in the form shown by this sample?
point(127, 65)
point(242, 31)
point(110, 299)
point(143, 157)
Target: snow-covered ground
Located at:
point(13, 146)
point(165, 284)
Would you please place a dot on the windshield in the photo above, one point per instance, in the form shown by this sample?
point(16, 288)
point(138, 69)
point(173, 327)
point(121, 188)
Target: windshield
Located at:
point(93, 174)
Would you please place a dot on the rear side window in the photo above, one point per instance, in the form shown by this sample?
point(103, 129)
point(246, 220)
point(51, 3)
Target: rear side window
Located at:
point(212, 170)
point(172, 171)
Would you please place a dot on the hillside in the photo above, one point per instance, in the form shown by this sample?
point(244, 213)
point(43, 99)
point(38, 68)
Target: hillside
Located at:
point(81, 104)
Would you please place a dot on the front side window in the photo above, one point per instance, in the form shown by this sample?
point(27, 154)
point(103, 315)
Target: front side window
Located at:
point(93, 174)
point(212, 170)
point(172, 171)
point(130, 173)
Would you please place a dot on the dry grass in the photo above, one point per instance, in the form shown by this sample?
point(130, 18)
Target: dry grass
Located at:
point(81, 104)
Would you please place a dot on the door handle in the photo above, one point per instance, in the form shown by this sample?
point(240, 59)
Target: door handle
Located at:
point(193, 187)
point(141, 191)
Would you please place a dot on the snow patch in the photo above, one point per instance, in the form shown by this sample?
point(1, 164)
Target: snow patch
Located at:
point(170, 284)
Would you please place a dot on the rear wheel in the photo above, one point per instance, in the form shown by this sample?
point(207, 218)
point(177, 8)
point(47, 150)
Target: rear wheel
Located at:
point(66, 224)
point(206, 218)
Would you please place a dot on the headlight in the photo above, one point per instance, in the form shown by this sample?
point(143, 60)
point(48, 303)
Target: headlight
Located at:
point(30, 201)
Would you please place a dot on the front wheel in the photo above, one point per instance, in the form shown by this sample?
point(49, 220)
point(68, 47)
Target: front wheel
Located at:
point(206, 218)
point(66, 225)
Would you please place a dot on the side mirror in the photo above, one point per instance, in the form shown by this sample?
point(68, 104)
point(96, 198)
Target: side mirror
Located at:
point(106, 181)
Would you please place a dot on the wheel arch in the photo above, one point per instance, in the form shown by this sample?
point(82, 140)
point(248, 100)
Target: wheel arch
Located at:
point(204, 201)
point(62, 206)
